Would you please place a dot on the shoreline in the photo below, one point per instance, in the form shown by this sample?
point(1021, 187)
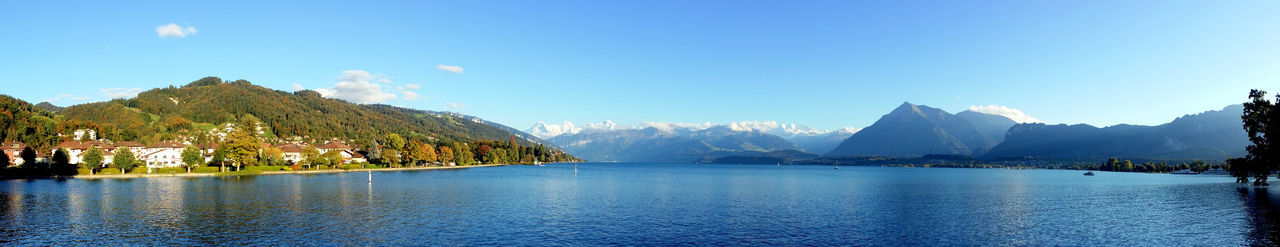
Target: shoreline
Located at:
point(131, 176)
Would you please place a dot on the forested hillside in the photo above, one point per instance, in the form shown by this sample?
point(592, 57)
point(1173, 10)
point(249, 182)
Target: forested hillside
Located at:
point(20, 121)
point(158, 112)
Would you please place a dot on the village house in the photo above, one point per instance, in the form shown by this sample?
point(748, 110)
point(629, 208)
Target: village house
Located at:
point(135, 147)
point(13, 150)
point(76, 150)
point(292, 152)
point(163, 154)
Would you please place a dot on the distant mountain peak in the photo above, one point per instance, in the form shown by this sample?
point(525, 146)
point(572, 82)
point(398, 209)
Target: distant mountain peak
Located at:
point(49, 106)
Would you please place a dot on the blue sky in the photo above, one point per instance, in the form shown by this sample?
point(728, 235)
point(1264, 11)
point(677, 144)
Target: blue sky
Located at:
point(826, 64)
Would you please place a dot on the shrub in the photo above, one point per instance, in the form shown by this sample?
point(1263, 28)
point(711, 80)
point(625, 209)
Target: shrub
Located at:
point(205, 169)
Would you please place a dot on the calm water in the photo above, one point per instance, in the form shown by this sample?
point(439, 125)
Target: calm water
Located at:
point(646, 204)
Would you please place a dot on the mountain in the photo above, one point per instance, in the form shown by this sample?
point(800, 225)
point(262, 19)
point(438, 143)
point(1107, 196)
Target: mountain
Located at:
point(210, 101)
point(1208, 135)
point(544, 130)
point(821, 142)
point(49, 106)
point(915, 130)
point(665, 143)
point(993, 126)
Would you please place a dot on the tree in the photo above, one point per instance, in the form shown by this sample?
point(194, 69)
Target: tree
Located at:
point(429, 153)
point(333, 157)
point(484, 152)
point(391, 157)
point(272, 156)
point(60, 157)
point(395, 142)
point(28, 156)
point(4, 160)
point(413, 153)
point(311, 156)
point(1261, 119)
point(124, 160)
point(446, 154)
point(242, 144)
point(86, 136)
point(191, 157)
point(92, 159)
point(462, 155)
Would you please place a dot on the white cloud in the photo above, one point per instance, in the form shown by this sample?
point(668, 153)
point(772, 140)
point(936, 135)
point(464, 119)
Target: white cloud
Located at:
point(298, 87)
point(174, 30)
point(355, 86)
point(606, 125)
point(58, 98)
point(119, 92)
point(409, 95)
point(671, 126)
point(409, 86)
point(1011, 113)
point(450, 68)
point(455, 105)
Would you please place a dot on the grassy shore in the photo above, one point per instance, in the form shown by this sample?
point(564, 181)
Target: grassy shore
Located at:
point(251, 172)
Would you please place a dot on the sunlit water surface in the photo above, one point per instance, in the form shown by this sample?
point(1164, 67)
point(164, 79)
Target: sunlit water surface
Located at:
point(646, 204)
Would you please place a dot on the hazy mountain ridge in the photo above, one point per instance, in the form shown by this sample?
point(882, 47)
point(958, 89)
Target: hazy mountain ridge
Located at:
point(1209, 135)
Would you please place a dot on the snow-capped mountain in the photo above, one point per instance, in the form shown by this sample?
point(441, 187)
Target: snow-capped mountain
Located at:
point(606, 141)
point(547, 131)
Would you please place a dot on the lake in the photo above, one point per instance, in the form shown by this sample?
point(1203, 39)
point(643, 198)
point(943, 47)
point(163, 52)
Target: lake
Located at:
point(646, 204)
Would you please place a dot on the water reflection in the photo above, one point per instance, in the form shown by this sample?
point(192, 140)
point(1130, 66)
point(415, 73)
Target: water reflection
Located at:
point(1263, 216)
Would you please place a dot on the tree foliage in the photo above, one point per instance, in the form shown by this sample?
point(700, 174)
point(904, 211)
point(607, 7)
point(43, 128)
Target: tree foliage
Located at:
point(1261, 120)
point(192, 157)
point(92, 158)
point(124, 160)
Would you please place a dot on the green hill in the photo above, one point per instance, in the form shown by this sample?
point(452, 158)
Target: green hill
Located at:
point(156, 113)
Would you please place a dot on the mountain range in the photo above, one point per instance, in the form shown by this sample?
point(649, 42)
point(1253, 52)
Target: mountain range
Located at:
point(679, 142)
point(1209, 135)
point(907, 131)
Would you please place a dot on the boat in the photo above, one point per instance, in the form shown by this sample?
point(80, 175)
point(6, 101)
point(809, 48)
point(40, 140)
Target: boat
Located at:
point(537, 163)
point(1088, 173)
point(1185, 172)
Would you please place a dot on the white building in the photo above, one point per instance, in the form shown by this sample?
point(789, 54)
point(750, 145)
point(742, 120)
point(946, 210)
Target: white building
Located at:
point(164, 154)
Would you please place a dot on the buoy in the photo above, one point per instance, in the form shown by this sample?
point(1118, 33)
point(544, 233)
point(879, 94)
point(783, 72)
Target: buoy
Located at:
point(370, 177)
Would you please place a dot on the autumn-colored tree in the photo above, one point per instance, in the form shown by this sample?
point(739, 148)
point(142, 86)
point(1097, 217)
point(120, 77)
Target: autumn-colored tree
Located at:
point(272, 156)
point(242, 144)
point(446, 154)
point(391, 157)
point(176, 122)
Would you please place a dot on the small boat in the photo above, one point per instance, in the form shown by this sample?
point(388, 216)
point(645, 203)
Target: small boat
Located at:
point(1088, 173)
